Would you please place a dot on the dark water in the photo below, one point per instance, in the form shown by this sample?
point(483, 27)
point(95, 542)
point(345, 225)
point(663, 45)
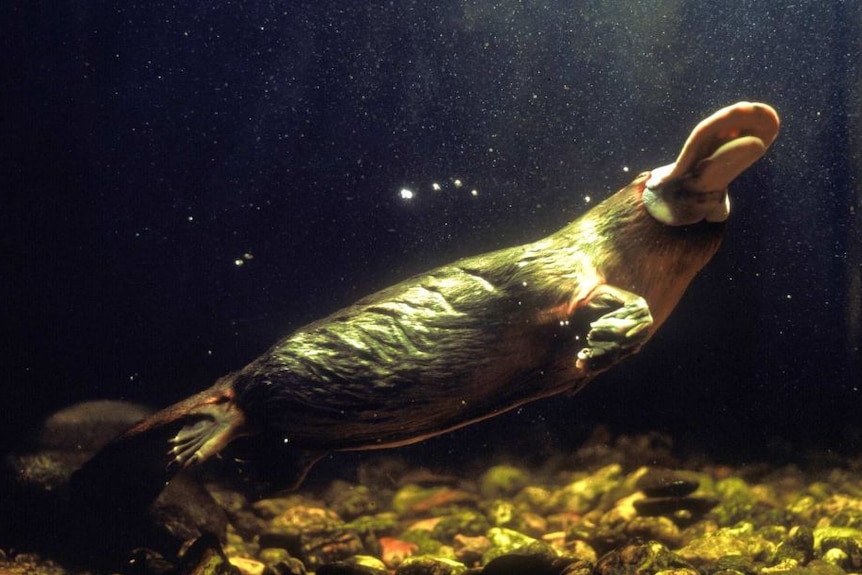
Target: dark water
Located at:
point(182, 183)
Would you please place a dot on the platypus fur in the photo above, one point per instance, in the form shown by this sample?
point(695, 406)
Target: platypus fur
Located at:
point(476, 338)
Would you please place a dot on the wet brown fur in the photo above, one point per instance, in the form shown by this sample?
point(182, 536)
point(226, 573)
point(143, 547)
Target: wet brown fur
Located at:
point(468, 340)
point(443, 349)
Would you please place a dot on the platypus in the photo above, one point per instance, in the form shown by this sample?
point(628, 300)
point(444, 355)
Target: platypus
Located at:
point(476, 338)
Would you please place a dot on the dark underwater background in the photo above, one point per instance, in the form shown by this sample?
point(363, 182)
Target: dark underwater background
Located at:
point(183, 183)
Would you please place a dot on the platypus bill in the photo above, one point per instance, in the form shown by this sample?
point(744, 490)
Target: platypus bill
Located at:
point(472, 339)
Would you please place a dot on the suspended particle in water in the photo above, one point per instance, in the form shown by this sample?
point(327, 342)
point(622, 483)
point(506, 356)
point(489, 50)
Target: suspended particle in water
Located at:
point(245, 257)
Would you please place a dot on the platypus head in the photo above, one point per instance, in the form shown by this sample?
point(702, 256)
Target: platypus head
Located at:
point(653, 236)
point(694, 188)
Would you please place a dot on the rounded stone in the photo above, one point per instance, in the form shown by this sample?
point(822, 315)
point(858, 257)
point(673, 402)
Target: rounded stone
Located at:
point(430, 566)
point(655, 506)
point(248, 566)
point(655, 528)
point(798, 546)
point(272, 555)
point(649, 557)
point(502, 481)
point(350, 501)
point(356, 565)
point(666, 483)
point(532, 564)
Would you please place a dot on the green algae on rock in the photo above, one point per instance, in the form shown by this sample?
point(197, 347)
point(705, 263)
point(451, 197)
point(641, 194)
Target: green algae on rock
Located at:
point(503, 481)
point(425, 565)
point(649, 557)
point(790, 523)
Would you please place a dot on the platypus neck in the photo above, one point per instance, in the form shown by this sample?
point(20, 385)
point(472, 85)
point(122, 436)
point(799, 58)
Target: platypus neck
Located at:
point(635, 252)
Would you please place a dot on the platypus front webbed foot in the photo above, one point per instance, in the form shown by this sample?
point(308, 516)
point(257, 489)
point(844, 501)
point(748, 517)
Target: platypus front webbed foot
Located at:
point(619, 332)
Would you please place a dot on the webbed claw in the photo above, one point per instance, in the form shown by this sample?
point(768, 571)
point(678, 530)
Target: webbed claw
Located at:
point(217, 425)
point(186, 446)
point(619, 332)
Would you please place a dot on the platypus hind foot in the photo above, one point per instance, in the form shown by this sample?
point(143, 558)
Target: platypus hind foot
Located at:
point(218, 424)
point(619, 332)
point(196, 441)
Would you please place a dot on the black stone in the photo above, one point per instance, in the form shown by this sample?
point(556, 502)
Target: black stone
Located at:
point(348, 568)
point(655, 506)
point(666, 483)
point(638, 557)
point(799, 546)
point(532, 564)
point(732, 564)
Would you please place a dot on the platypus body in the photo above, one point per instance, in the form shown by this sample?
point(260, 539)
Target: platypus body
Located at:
point(481, 336)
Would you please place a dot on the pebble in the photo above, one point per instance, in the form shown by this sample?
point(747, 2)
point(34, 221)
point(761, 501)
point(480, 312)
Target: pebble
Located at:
point(608, 516)
point(641, 558)
point(532, 565)
point(666, 483)
point(739, 540)
point(395, 551)
point(358, 565)
point(469, 550)
point(507, 542)
point(840, 546)
point(248, 566)
point(654, 506)
point(797, 547)
point(660, 529)
point(413, 500)
point(579, 496)
point(351, 501)
point(430, 566)
point(502, 481)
